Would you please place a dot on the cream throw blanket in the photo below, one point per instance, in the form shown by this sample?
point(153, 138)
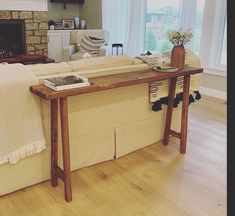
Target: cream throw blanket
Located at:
point(21, 131)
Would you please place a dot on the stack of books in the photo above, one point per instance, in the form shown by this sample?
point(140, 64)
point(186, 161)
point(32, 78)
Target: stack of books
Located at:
point(66, 82)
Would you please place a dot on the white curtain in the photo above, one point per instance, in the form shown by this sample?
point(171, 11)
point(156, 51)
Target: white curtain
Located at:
point(188, 14)
point(187, 19)
point(125, 21)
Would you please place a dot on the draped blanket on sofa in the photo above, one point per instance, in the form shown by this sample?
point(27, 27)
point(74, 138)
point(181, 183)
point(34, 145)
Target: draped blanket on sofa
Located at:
point(21, 132)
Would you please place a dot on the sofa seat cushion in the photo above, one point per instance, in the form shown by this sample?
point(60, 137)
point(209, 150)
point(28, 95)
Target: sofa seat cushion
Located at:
point(101, 62)
point(51, 68)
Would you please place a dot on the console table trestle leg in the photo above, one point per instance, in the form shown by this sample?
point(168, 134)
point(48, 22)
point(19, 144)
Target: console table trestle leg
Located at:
point(56, 172)
point(184, 117)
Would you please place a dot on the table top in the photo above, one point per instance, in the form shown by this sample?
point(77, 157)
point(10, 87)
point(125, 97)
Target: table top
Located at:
point(112, 81)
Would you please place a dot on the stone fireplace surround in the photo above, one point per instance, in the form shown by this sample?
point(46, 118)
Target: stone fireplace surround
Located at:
point(35, 29)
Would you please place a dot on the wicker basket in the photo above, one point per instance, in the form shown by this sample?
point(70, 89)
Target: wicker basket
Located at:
point(178, 57)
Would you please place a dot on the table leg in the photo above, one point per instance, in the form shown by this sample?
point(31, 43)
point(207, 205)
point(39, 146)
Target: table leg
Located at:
point(54, 142)
point(169, 111)
point(184, 118)
point(65, 148)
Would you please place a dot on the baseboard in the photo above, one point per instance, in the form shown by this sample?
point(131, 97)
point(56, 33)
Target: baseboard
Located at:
point(213, 93)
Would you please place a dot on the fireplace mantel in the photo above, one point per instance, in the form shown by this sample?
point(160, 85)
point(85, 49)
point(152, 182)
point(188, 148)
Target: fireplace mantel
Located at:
point(24, 5)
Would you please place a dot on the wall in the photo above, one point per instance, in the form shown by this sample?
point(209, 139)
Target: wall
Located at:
point(57, 12)
point(23, 5)
point(92, 12)
point(215, 82)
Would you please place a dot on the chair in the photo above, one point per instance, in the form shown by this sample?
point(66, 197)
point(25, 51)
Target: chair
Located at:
point(72, 52)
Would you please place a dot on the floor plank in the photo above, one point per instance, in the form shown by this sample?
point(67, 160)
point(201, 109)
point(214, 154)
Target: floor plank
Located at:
point(153, 181)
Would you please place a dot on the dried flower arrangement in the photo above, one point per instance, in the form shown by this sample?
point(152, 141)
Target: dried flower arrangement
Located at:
point(179, 37)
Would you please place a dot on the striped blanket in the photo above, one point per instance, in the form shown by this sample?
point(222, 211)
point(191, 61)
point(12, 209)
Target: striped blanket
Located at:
point(158, 90)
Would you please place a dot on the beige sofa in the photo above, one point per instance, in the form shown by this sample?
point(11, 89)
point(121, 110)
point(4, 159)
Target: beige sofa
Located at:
point(103, 125)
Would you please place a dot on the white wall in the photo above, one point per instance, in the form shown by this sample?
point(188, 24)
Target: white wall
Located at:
point(27, 5)
point(214, 85)
point(57, 12)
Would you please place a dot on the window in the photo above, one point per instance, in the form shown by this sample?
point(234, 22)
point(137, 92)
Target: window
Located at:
point(214, 41)
point(198, 26)
point(171, 14)
point(151, 19)
point(164, 16)
point(223, 57)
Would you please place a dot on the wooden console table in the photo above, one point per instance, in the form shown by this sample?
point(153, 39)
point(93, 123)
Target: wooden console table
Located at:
point(103, 83)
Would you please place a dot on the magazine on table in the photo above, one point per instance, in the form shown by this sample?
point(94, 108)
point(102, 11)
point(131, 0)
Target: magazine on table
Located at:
point(66, 82)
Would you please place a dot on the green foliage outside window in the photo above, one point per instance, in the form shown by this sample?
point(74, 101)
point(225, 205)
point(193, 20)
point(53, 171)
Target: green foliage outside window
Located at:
point(154, 42)
point(150, 41)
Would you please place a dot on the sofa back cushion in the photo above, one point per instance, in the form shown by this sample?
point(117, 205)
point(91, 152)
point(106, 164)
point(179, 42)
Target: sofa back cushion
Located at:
point(48, 69)
point(101, 62)
point(191, 58)
point(113, 70)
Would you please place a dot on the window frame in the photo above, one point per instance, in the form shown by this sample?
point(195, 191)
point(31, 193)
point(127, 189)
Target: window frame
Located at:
point(217, 35)
point(215, 14)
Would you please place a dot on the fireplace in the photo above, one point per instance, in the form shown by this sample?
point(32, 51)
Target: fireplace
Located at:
point(23, 36)
point(12, 37)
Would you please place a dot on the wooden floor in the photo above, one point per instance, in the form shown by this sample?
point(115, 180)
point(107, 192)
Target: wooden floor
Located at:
point(156, 180)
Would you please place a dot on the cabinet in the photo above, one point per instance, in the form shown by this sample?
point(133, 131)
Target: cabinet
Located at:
point(57, 40)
